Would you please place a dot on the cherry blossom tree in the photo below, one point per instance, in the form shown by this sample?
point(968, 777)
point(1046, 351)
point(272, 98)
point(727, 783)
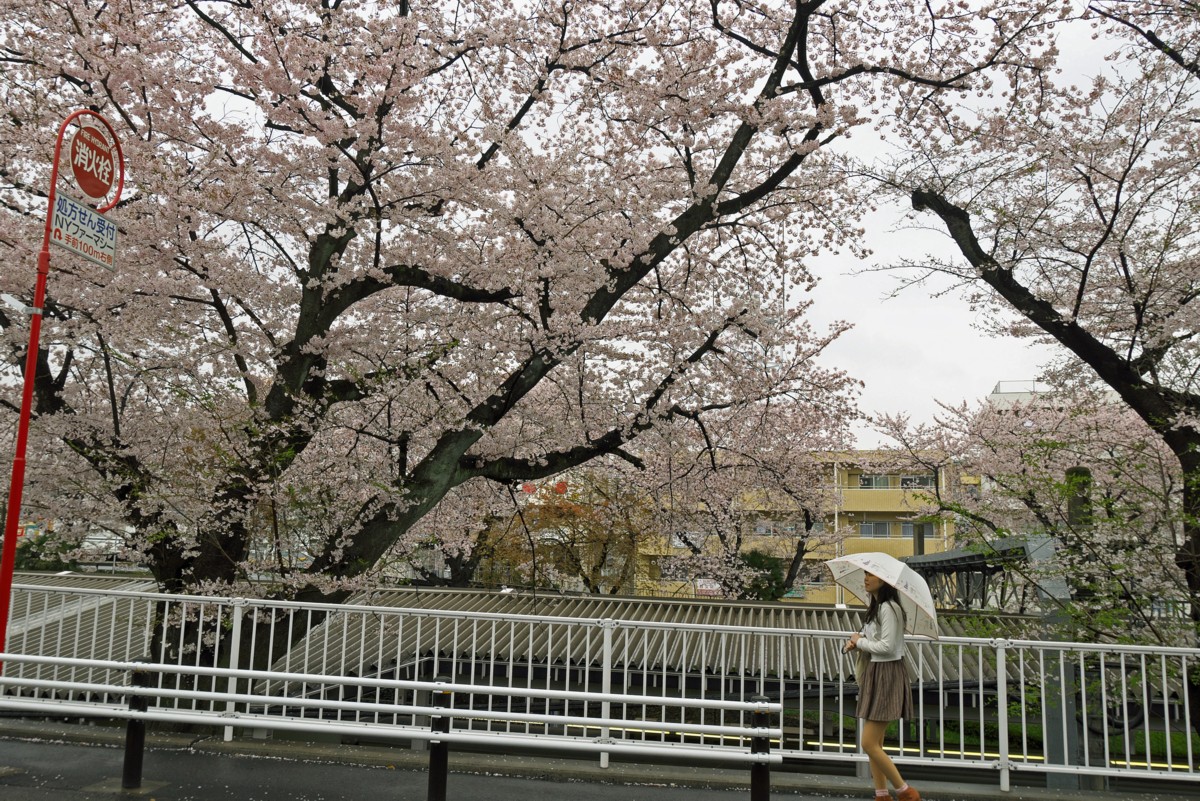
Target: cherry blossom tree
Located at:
point(1075, 466)
point(373, 255)
point(716, 483)
point(1077, 211)
point(689, 503)
point(583, 534)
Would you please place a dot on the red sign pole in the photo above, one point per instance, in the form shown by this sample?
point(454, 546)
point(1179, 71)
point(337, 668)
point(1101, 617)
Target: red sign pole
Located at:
point(12, 522)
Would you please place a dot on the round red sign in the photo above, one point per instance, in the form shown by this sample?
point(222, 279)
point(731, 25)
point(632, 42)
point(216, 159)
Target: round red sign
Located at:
point(92, 162)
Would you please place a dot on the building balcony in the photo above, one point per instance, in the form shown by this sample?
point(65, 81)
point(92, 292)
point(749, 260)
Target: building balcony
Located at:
point(892, 499)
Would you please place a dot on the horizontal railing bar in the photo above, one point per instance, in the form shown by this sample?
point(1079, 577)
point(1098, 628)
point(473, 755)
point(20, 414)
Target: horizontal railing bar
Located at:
point(946, 640)
point(250, 604)
point(1182, 773)
point(556, 742)
point(354, 681)
point(649, 726)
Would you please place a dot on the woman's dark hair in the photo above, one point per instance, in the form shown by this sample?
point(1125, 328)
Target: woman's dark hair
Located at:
point(887, 594)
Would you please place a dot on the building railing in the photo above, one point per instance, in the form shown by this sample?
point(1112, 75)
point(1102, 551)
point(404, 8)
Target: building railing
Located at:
point(997, 705)
point(897, 500)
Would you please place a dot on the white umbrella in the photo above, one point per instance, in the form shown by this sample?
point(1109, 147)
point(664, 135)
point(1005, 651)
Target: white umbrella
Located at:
point(920, 616)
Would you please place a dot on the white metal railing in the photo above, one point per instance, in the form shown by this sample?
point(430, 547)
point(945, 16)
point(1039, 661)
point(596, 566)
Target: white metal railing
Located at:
point(997, 704)
point(253, 710)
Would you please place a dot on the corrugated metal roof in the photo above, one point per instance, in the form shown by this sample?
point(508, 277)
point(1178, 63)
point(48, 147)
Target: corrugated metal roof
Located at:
point(22, 618)
point(91, 624)
point(141, 582)
point(717, 636)
point(971, 558)
point(694, 611)
point(493, 627)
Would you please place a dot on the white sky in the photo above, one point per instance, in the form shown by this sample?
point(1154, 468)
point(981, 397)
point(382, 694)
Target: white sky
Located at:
point(913, 350)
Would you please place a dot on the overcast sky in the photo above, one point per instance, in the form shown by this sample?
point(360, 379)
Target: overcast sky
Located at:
point(913, 350)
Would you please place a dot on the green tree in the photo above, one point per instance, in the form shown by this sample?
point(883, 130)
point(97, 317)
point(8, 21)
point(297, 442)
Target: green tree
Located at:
point(44, 552)
point(769, 582)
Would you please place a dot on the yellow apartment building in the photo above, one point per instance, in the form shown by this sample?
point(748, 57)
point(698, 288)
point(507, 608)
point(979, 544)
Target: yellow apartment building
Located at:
point(869, 506)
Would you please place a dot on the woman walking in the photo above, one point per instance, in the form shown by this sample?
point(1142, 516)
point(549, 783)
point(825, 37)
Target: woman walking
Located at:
point(884, 694)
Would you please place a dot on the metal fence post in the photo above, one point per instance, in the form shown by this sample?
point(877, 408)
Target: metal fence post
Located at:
point(760, 772)
point(135, 730)
point(862, 765)
point(1003, 761)
point(606, 664)
point(237, 609)
point(439, 750)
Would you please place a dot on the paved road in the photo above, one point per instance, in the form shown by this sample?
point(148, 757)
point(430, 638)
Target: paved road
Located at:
point(56, 761)
point(50, 771)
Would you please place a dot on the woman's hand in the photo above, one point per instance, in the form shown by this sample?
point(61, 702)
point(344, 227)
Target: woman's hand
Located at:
point(853, 643)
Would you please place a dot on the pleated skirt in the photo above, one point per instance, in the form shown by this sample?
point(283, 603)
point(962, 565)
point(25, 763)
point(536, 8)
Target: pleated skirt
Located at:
point(884, 692)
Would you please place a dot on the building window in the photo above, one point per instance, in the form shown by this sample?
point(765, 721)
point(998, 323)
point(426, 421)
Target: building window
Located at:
point(909, 529)
point(764, 527)
point(874, 528)
point(926, 481)
point(873, 481)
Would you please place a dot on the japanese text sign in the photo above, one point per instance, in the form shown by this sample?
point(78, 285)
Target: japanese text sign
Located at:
point(91, 160)
point(76, 227)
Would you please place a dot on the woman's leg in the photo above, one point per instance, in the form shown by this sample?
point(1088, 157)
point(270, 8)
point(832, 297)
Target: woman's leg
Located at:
point(883, 769)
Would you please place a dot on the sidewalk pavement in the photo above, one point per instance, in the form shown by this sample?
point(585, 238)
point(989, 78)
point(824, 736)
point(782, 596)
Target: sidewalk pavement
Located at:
point(49, 761)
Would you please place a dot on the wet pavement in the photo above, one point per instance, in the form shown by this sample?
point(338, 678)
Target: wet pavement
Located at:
point(63, 772)
point(44, 761)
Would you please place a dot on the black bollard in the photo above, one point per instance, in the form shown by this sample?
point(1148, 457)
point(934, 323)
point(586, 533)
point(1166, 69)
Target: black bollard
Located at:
point(135, 730)
point(760, 772)
point(439, 750)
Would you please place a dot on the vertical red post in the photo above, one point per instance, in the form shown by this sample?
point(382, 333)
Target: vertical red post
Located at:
point(12, 521)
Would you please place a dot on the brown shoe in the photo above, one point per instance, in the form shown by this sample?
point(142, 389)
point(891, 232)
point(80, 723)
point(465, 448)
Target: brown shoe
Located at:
point(908, 794)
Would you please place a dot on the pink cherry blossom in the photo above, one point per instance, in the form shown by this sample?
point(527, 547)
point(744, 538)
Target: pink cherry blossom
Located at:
point(380, 261)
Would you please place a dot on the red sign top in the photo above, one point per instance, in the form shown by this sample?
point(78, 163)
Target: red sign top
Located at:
point(92, 162)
